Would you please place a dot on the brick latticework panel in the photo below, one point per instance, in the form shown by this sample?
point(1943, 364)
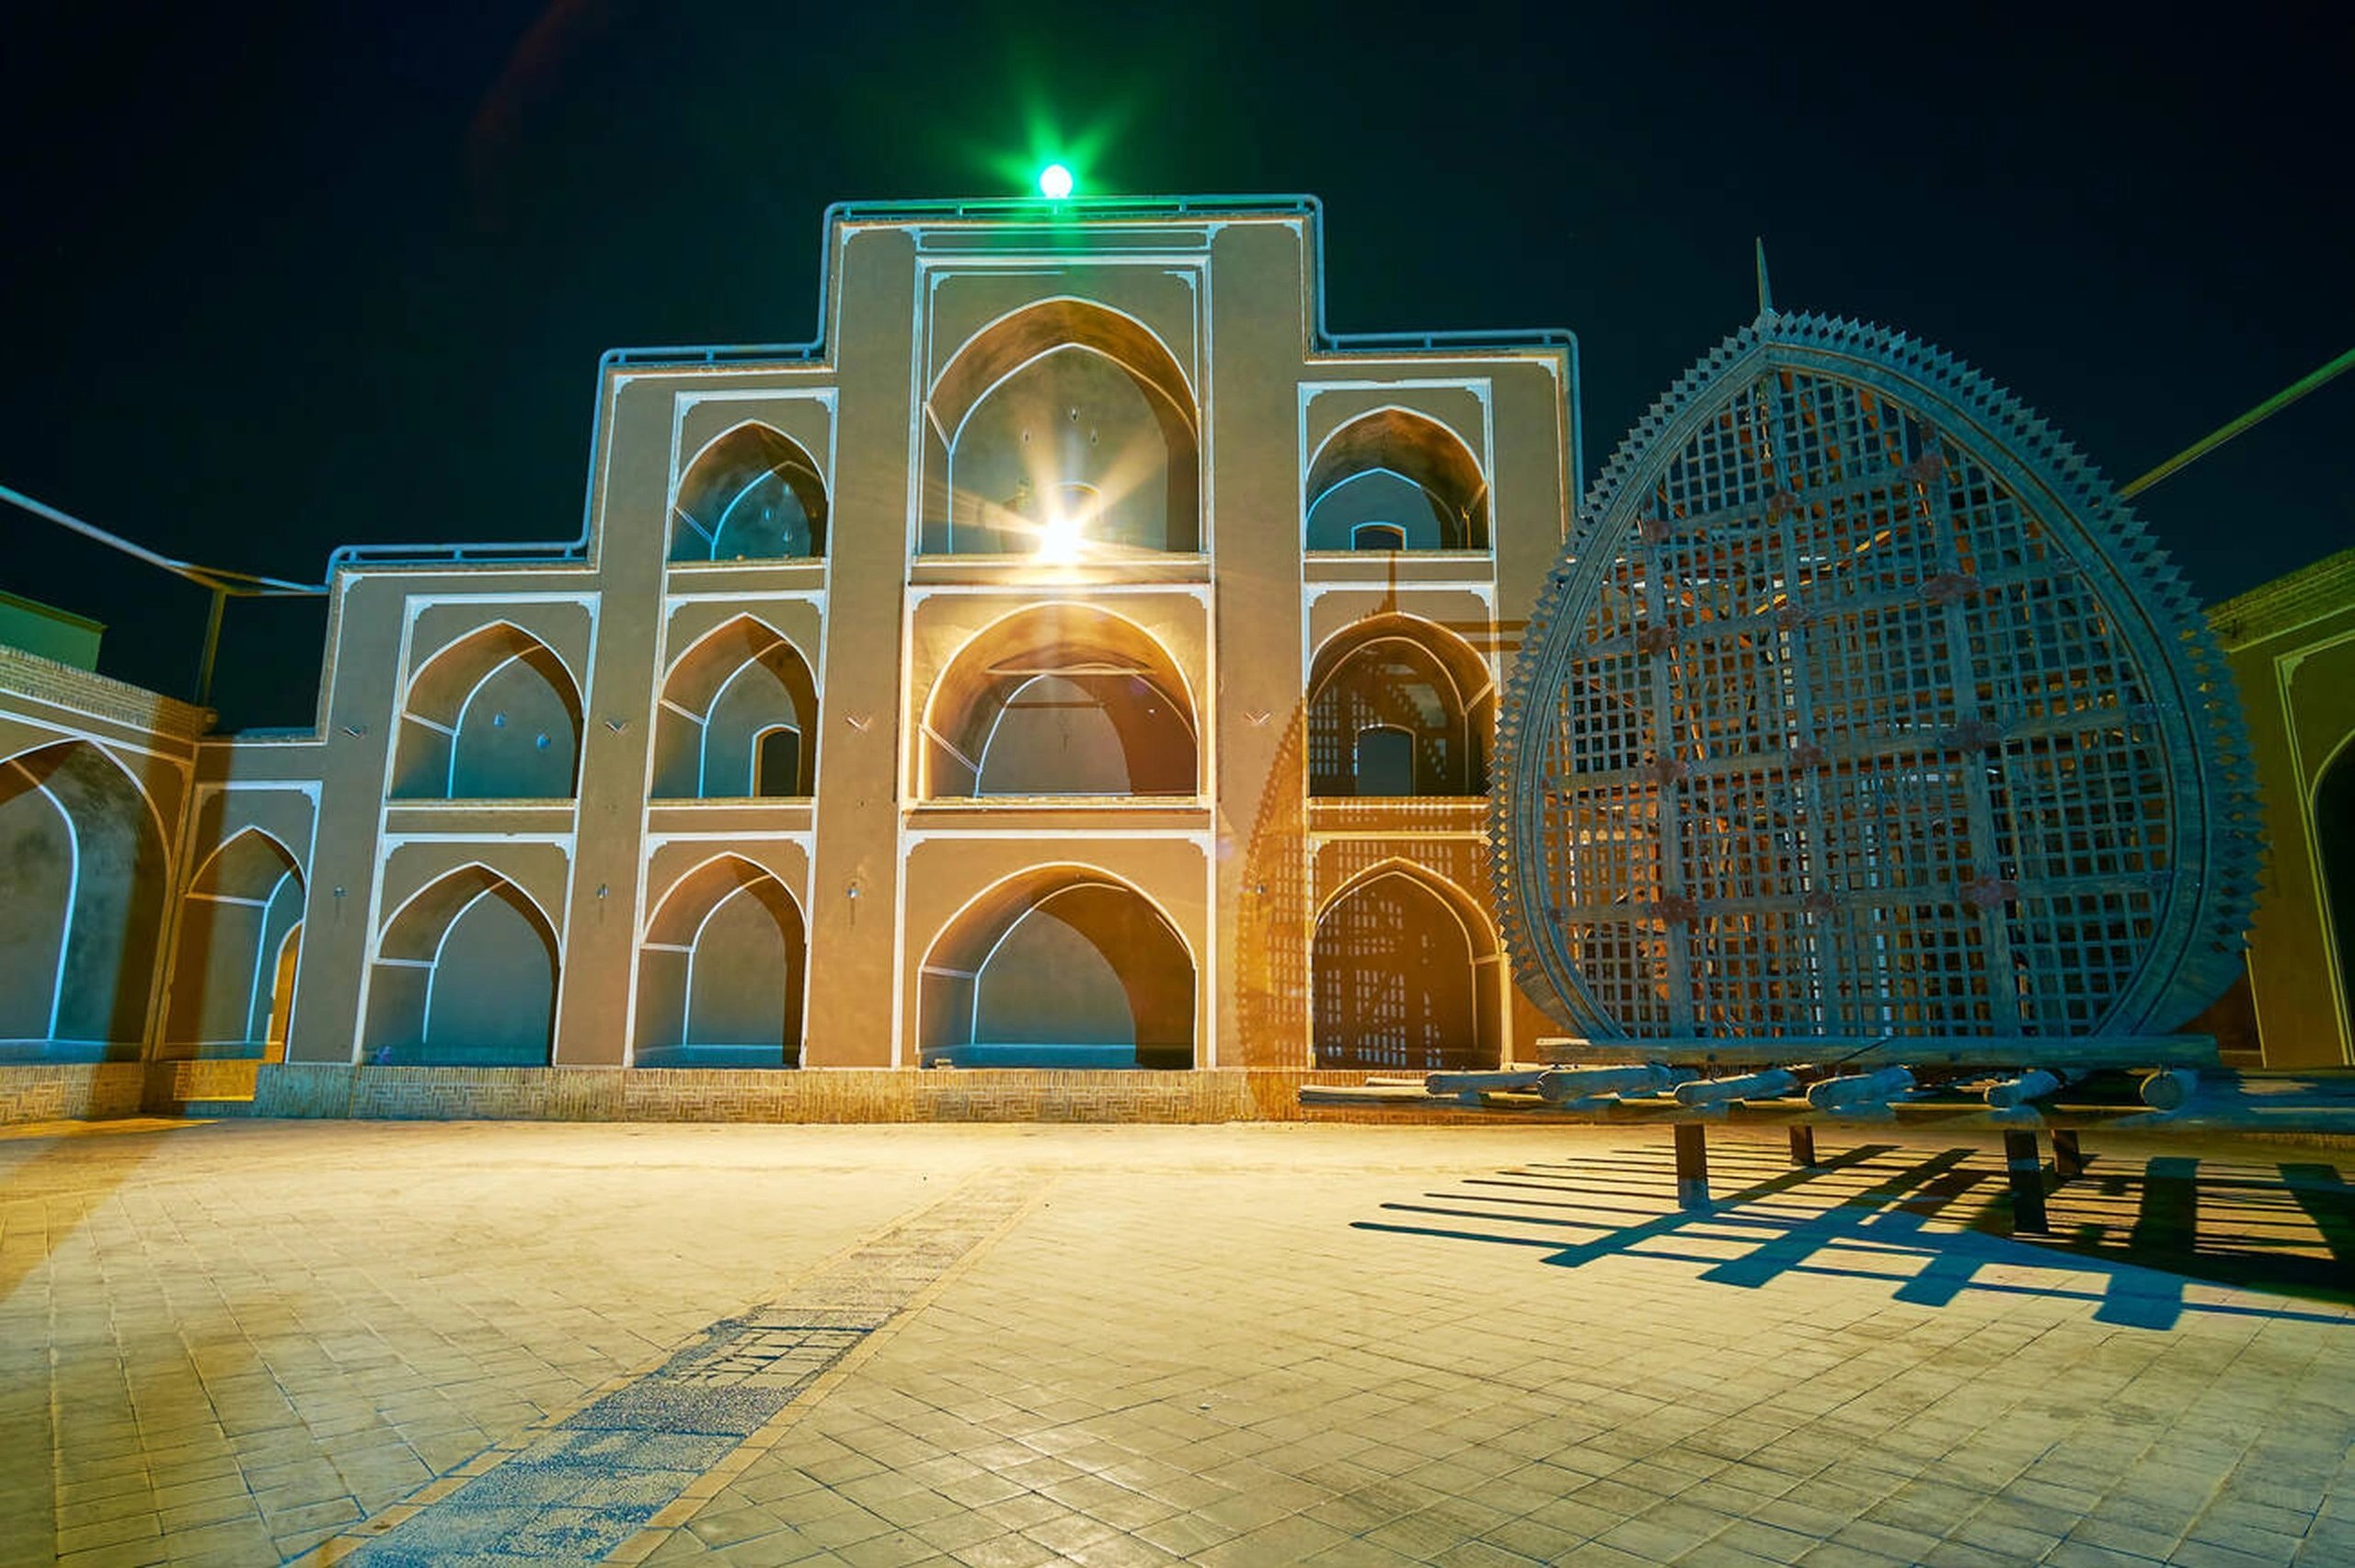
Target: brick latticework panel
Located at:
point(848, 1096)
point(79, 1090)
point(46, 680)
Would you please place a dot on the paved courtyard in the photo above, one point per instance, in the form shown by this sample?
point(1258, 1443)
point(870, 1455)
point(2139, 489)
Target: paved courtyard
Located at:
point(393, 1344)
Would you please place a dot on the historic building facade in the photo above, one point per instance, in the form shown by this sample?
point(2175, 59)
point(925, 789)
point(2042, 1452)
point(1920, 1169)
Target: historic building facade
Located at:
point(1077, 658)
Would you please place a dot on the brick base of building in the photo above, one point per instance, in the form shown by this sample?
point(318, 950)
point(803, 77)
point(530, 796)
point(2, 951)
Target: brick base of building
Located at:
point(825, 1095)
point(101, 1091)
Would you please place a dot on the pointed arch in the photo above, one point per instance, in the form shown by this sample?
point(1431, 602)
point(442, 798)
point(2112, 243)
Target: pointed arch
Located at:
point(751, 493)
point(1404, 976)
point(1395, 467)
point(242, 904)
point(81, 921)
point(734, 684)
point(1060, 966)
point(464, 976)
point(494, 715)
point(1063, 428)
point(1404, 675)
point(1060, 699)
point(2331, 804)
point(722, 971)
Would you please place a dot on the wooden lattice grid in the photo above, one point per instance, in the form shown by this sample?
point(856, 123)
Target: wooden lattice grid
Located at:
point(1859, 706)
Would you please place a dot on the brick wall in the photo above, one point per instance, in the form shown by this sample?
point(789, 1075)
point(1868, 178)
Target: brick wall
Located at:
point(79, 1090)
point(834, 1095)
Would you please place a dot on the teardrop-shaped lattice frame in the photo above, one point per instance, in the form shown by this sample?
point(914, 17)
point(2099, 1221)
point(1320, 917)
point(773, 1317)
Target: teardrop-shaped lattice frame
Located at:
point(1860, 704)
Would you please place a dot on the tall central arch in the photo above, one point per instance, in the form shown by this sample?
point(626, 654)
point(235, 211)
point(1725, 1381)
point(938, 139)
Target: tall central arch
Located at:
point(1066, 430)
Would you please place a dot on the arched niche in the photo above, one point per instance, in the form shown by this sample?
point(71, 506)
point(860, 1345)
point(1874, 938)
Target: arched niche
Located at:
point(721, 973)
point(1058, 967)
point(753, 494)
point(1061, 700)
point(2334, 815)
point(1399, 981)
point(236, 920)
point(83, 866)
point(1395, 479)
point(724, 705)
point(1397, 706)
point(1067, 431)
point(464, 976)
point(495, 715)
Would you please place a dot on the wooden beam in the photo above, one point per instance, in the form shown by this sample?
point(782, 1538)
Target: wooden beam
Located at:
point(1862, 1052)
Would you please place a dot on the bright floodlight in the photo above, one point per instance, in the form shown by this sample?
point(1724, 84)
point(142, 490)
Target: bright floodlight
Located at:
point(1054, 182)
point(1059, 539)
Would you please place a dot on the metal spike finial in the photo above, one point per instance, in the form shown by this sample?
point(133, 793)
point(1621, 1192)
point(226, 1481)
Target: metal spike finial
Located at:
point(1766, 289)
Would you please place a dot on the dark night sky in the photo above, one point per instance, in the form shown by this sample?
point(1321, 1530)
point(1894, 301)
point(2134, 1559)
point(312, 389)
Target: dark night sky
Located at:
point(281, 278)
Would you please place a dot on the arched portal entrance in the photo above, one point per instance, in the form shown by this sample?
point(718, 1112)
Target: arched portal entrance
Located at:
point(1061, 700)
point(1399, 981)
point(82, 898)
point(236, 920)
point(720, 976)
point(465, 977)
point(1061, 968)
point(2334, 805)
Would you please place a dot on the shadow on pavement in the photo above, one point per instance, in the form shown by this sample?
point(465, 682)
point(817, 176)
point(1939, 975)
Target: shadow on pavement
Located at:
point(2133, 1237)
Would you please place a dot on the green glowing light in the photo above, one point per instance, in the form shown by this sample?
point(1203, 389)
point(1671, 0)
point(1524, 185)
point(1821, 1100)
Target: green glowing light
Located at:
point(1054, 182)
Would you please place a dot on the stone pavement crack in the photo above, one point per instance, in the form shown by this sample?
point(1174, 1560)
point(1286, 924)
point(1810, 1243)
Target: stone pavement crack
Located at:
point(581, 1485)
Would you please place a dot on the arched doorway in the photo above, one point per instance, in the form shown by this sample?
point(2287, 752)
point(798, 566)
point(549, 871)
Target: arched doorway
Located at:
point(721, 975)
point(1061, 968)
point(2333, 807)
point(235, 922)
point(738, 718)
point(1063, 700)
point(1398, 707)
point(465, 977)
point(82, 864)
point(1397, 981)
point(1394, 479)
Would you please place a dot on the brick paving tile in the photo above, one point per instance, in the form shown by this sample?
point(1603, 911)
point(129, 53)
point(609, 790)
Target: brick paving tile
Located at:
point(1494, 1345)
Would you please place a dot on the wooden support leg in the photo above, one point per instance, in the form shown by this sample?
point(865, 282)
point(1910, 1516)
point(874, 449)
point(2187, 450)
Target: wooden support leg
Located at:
point(2068, 1161)
point(1803, 1146)
point(1692, 1165)
point(2027, 1170)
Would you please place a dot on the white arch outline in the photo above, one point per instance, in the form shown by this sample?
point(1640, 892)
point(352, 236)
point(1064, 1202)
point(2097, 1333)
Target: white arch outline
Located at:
point(989, 328)
point(2309, 796)
point(686, 998)
point(981, 761)
point(433, 969)
point(407, 712)
point(671, 670)
point(679, 484)
point(155, 812)
point(1438, 887)
point(1487, 483)
point(1380, 634)
point(376, 942)
point(799, 736)
point(948, 667)
point(256, 831)
point(72, 885)
point(1083, 875)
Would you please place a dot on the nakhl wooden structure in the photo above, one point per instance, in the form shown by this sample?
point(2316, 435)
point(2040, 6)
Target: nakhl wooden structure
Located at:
point(1861, 731)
